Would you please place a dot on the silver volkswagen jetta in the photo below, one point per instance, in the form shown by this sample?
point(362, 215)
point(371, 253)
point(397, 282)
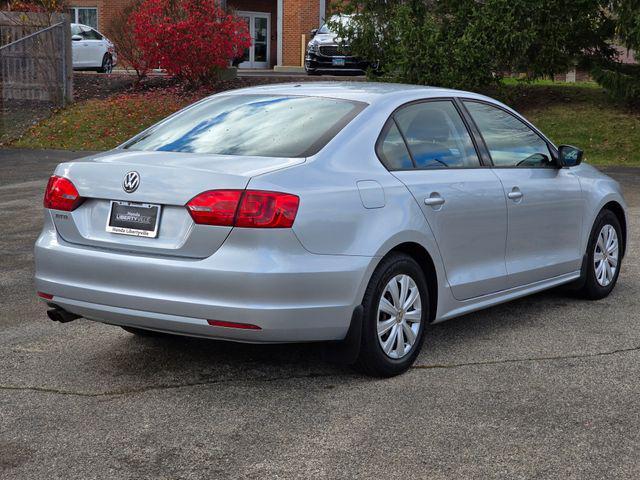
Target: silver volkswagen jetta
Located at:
point(347, 212)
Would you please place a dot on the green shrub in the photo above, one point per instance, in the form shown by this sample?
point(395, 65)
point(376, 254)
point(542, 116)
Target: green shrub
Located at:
point(469, 44)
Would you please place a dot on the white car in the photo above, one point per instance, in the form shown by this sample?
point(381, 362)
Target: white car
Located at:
point(91, 50)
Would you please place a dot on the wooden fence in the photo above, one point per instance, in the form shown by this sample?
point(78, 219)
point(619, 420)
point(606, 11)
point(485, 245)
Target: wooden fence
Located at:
point(35, 58)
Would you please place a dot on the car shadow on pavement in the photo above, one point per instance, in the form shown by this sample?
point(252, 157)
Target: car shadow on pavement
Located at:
point(514, 330)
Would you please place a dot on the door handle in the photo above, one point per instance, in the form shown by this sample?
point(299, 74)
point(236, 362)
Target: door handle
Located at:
point(434, 200)
point(515, 194)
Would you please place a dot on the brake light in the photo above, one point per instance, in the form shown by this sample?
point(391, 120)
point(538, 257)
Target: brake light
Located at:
point(61, 194)
point(46, 296)
point(248, 209)
point(215, 207)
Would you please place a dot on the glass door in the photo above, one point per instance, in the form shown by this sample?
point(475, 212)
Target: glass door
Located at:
point(246, 58)
point(257, 56)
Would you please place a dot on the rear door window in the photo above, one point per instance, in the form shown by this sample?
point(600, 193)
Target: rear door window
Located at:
point(436, 135)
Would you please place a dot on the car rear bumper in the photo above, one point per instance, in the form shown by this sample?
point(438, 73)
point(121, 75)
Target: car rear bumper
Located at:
point(263, 278)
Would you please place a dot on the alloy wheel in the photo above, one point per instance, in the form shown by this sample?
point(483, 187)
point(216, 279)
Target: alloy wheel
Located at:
point(399, 316)
point(605, 257)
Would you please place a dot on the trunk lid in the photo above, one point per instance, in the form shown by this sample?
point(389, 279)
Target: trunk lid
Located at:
point(167, 179)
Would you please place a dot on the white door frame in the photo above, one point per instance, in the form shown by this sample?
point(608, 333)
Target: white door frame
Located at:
point(251, 63)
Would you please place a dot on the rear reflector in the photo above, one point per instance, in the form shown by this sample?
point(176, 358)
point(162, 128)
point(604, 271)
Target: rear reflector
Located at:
point(244, 208)
point(46, 296)
point(61, 194)
point(245, 326)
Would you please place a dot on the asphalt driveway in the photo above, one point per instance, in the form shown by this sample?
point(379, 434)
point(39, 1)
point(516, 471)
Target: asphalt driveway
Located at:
point(544, 387)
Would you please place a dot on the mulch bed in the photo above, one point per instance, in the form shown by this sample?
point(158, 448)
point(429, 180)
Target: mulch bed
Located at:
point(88, 86)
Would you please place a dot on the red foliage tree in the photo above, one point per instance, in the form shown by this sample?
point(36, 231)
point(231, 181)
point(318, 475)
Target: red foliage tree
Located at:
point(191, 39)
point(121, 31)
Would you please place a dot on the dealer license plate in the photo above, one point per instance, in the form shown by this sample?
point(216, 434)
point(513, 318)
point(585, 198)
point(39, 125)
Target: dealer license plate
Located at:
point(137, 219)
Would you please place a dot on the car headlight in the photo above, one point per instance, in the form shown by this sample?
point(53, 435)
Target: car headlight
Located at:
point(312, 47)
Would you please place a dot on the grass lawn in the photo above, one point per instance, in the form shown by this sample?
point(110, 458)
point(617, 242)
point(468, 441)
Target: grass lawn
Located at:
point(101, 124)
point(578, 114)
point(584, 116)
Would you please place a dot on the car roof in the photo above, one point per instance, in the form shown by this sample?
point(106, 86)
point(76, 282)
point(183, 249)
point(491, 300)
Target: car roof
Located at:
point(368, 92)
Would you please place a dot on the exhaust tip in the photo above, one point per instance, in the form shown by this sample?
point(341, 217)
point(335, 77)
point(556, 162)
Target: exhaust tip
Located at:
point(61, 315)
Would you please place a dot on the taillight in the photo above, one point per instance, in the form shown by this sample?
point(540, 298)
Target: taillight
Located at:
point(244, 208)
point(215, 207)
point(61, 194)
point(267, 210)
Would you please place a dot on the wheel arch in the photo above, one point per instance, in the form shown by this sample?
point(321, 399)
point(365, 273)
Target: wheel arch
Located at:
point(618, 211)
point(424, 259)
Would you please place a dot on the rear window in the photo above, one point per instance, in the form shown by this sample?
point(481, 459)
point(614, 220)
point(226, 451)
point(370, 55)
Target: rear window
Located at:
point(256, 125)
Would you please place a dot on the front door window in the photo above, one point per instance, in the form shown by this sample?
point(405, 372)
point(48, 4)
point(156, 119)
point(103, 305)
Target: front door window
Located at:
point(511, 143)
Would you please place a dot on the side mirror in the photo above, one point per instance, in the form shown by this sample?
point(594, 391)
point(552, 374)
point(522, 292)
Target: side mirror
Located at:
point(76, 38)
point(313, 32)
point(569, 156)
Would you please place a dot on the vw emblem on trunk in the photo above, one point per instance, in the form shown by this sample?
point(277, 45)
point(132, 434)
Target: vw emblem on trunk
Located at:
point(131, 182)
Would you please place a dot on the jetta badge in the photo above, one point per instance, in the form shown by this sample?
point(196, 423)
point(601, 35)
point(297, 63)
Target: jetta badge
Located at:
point(131, 182)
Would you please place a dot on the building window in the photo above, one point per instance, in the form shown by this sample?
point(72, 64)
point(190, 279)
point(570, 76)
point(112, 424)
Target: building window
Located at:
point(85, 16)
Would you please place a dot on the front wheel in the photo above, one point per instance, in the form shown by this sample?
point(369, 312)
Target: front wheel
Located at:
point(107, 64)
point(603, 257)
point(395, 313)
point(311, 72)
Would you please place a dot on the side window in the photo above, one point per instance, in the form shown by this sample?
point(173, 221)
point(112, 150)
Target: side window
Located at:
point(95, 34)
point(392, 150)
point(90, 34)
point(436, 135)
point(511, 143)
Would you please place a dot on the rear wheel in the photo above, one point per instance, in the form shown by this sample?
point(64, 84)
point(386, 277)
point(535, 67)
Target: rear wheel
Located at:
point(395, 313)
point(603, 257)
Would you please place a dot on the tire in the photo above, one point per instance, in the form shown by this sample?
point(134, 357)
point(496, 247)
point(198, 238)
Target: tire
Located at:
point(107, 64)
point(310, 72)
point(140, 332)
point(593, 287)
point(372, 359)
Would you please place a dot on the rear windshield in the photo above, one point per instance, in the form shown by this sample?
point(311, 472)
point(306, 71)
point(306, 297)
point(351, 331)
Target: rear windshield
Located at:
point(256, 125)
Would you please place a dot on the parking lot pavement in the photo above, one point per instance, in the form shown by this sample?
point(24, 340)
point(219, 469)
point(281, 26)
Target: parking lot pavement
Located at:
point(544, 387)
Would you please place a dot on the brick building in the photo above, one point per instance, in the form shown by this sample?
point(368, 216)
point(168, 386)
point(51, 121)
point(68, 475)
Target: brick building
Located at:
point(277, 26)
point(576, 75)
